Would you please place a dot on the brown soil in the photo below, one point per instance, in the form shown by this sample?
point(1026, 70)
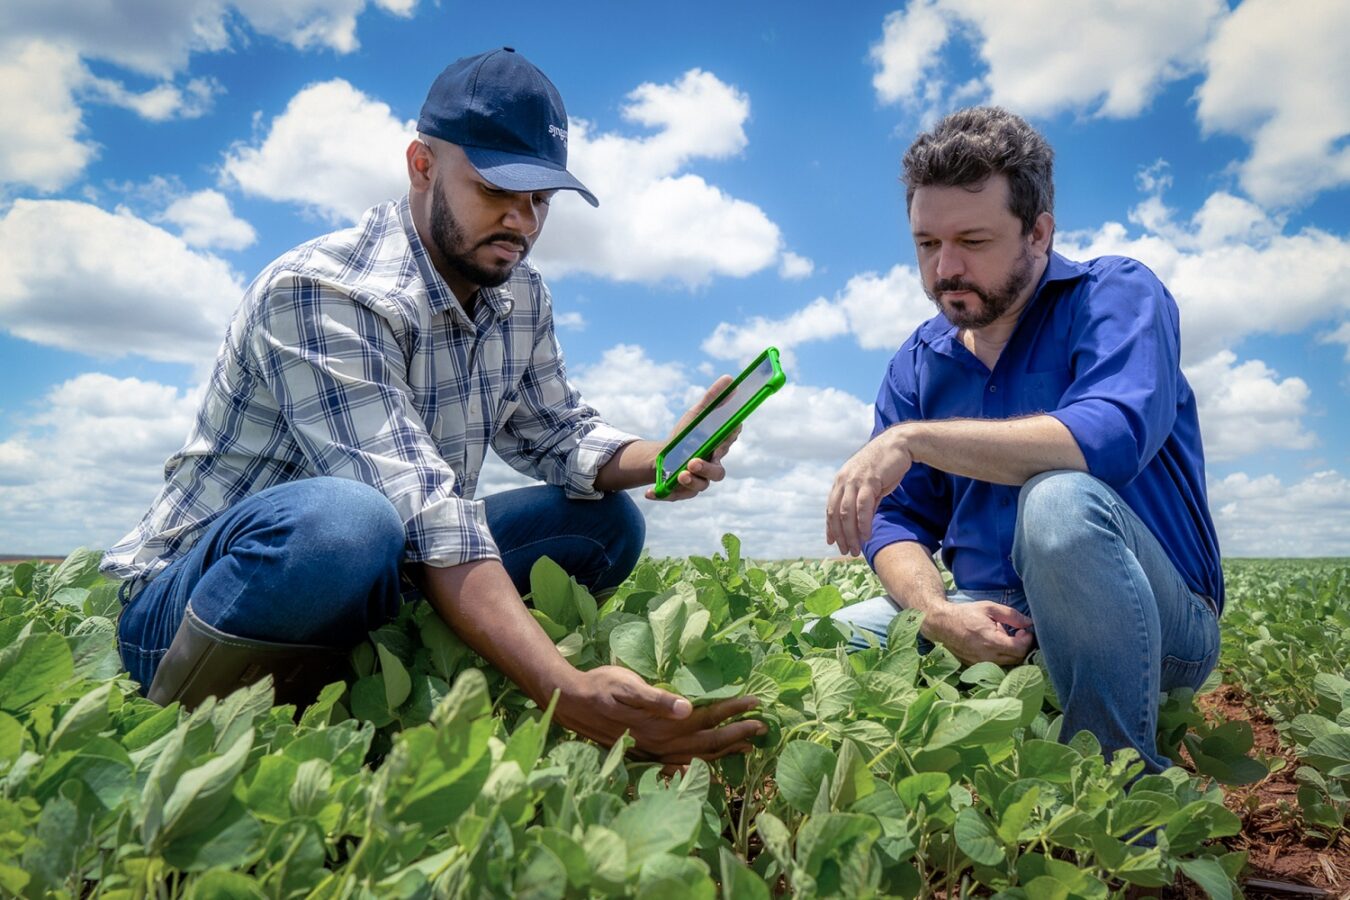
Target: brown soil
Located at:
point(1278, 849)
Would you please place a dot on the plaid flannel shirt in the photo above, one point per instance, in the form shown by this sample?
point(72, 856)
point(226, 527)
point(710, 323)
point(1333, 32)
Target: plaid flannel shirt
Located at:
point(349, 356)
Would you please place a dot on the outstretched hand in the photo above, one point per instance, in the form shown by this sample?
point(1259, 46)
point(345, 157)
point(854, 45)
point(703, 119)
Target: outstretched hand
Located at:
point(867, 477)
point(700, 473)
point(603, 703)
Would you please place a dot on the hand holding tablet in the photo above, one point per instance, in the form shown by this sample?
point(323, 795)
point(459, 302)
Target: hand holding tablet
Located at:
point(718, 419)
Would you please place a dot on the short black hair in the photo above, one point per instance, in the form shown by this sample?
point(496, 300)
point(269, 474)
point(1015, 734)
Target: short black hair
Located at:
point(970, 145)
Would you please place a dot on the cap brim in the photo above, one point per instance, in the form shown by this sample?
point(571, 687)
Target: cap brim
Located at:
point(514, 172)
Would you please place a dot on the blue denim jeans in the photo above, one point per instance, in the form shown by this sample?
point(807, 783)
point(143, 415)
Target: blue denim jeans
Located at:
point(1114, 620)
point(317, 561)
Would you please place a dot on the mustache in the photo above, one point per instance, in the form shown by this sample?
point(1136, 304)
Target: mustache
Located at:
point(507, 237)
point(943, 285)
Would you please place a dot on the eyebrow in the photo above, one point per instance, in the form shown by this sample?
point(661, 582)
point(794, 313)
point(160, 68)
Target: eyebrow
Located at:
point(981, 229)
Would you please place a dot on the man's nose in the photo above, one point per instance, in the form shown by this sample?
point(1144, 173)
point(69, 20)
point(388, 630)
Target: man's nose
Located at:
point(522, 216)
point(950, 262)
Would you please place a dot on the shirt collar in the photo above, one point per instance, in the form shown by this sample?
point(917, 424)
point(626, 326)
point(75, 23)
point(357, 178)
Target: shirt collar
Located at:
point(441, 299)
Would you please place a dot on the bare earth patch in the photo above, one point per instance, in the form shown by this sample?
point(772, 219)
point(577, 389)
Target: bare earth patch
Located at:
point(1282, 860)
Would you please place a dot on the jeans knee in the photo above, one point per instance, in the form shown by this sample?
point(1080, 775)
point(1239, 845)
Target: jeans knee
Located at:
point(1056, 512)
point(348, 525)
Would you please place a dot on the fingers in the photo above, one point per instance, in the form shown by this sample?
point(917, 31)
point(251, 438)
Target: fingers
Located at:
point(1008, 616)
point(714, 713)
point(711, 393)
point(644, 698)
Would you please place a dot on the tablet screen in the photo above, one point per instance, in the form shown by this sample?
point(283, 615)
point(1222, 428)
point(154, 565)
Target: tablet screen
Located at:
point(706, 427)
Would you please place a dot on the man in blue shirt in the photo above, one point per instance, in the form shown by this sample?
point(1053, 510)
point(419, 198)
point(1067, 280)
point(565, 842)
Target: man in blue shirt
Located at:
point(1040, 432)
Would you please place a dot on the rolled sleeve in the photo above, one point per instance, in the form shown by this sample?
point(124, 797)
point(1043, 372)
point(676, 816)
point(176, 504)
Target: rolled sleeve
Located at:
point(1121, 403)
point(919, 509)
point(553, 434)
point(336, 370)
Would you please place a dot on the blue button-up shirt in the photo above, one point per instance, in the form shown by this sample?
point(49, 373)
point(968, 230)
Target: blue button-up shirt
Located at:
point(1097, 347)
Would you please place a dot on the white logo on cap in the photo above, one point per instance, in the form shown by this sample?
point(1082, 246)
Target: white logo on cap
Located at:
point(559, 133)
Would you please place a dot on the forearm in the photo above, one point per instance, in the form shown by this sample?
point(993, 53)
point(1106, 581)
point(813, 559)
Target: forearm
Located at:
point(999, 451)
point(479, 602)
point(632, 465)
point(908, 574)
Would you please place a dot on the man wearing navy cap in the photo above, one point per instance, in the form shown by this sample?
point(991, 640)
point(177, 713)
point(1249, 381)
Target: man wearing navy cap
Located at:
point(343, 430)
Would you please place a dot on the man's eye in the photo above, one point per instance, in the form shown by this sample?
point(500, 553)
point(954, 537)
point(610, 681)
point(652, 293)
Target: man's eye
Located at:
point(927, 245)
point(979, 242)
point(543, 199)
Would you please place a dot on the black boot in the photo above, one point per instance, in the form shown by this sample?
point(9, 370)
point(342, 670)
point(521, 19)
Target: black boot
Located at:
point(205, 662)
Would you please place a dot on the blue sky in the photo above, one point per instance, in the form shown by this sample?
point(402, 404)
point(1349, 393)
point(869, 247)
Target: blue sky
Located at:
point(746, 155)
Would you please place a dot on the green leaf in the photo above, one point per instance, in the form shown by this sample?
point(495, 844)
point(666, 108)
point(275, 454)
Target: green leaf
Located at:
point(1209, 874)
point(228, 840)
point(633, 645)
point(569, 853)
point(802, 768)
point(82, 721)
point(969, 723)
point(976, 837)
point(31, 668)
point(852, 779)
point(551, 594)
point(397, 684)
point(732, 545)
point(826, 836)
point(12, 736)
point(668, 877)
point(202, 792)
point(222, 884)
point(823, 601)
point(1048, 760)
point(661, 822)
point(540, 875)
point(1026, 684)
point(738, 880)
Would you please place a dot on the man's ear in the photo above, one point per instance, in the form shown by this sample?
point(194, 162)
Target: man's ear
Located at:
point(420, 160)
point(1042, 231)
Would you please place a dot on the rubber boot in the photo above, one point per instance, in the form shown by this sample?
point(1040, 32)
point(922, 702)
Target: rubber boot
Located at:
point(204, 661)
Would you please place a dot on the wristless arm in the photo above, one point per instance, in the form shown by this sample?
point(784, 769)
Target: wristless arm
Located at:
point(479, 602)
point(998, 451)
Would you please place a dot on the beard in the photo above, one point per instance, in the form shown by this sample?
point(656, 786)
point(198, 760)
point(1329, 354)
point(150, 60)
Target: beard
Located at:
point(448, 236)
point(994, 302)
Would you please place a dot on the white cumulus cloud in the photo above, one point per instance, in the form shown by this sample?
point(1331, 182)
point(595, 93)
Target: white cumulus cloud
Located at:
point(44, 145)
point(124, 286)
point(1115, 63)
point(1277, 76)
point(84, 468)
point(1263, 516)
point(1232, 269)
point(205, 219)
point(157, 37)
point(1246, 407)
point(878, 310)
point(298, 160)
point(656, 221)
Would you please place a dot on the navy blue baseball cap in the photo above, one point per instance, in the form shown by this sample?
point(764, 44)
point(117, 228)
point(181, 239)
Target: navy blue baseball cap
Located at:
point(507, 117)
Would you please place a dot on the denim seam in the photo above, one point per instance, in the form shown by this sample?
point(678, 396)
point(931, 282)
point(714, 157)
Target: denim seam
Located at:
point(1118, 545)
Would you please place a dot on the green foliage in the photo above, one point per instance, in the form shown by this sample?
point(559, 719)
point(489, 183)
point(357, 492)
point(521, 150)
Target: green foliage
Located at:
point(882, 772)
point(1288, 643)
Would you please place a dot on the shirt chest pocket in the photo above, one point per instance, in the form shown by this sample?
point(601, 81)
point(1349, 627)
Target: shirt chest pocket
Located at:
point(1040, 391)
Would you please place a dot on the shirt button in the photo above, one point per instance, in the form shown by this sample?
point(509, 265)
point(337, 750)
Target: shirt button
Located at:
point(473, 407)
point(1003, 501)
point(993, 389)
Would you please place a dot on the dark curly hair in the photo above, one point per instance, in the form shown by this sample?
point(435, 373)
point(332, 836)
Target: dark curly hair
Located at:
point(970, 145)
